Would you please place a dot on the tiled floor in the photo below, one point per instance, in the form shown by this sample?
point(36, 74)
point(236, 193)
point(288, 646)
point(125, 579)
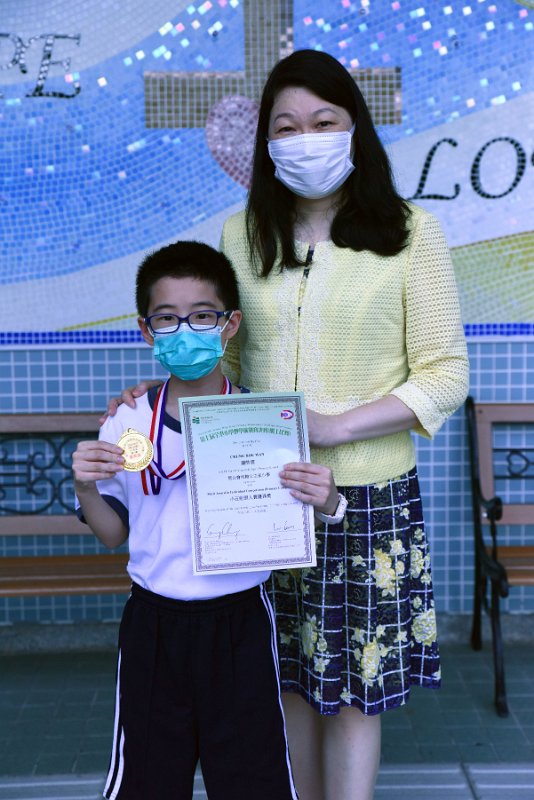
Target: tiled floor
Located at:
point(56, 714)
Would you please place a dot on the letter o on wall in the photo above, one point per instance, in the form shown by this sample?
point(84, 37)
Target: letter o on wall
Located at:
point(521, 165)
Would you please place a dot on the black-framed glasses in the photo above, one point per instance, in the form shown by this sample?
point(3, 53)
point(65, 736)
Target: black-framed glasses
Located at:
point(203, 320)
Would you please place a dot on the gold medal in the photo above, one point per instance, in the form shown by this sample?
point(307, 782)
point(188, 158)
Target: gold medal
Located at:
point(138, 450)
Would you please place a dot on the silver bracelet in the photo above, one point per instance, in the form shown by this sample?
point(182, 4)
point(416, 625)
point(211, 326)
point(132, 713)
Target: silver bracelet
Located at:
point(337, 516)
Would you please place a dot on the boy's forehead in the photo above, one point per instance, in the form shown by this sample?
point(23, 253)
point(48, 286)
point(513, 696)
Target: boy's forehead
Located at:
point(173, 290)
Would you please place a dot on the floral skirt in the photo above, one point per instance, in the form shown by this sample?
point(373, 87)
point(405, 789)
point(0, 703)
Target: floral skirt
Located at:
point(360, 628)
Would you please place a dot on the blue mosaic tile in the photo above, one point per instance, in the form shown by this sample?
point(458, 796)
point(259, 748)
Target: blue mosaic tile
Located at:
point(73, 196)
point(118, 337)
point(48, 338)
point(103, 212)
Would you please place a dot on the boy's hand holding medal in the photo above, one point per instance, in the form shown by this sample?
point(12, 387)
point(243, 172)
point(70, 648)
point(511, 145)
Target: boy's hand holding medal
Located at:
point(137, 450)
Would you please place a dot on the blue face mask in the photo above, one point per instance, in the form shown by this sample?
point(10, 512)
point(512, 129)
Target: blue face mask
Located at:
point(189, 355)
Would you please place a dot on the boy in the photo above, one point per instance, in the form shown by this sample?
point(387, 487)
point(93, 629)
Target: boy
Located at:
point(197, 675)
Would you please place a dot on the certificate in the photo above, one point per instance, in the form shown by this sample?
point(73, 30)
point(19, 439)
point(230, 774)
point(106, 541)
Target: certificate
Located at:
point(242, 518)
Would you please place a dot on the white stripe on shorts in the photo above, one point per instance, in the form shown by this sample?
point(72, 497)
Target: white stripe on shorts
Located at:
point(274, 650)
point(116, 767)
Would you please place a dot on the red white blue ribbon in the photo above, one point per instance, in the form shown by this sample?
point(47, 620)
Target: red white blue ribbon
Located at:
point(155, 468)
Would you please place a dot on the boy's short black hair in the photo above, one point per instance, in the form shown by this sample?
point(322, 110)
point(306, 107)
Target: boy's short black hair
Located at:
point(187, 260)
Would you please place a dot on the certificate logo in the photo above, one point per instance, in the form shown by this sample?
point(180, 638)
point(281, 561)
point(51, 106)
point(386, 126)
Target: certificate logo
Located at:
point(287, 414)
point(202, 419)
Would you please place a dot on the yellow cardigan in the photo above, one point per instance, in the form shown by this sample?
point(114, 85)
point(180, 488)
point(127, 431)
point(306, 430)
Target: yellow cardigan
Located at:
point(368, 326)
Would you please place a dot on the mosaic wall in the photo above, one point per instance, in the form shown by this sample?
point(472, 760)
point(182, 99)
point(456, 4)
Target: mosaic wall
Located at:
point(128, 128)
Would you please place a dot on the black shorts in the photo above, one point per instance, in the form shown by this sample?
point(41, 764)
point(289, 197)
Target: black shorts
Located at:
point(198, 681)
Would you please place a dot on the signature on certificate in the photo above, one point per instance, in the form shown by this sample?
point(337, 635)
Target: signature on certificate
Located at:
point(278, 527)
point(221, 532)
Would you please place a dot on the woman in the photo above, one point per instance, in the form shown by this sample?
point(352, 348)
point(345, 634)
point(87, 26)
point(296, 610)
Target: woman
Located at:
point(348, 294)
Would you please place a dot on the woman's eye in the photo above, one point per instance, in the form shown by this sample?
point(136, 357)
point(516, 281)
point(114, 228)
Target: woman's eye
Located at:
point(324, 123)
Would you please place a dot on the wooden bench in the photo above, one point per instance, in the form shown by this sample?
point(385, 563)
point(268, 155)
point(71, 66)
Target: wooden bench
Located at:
point(31, 446)
point(500, 566)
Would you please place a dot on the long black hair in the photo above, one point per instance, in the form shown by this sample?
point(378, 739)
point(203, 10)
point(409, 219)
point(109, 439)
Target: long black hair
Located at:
point(371, 216)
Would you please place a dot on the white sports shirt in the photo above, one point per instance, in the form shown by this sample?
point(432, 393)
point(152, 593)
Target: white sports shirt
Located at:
point(159, 538)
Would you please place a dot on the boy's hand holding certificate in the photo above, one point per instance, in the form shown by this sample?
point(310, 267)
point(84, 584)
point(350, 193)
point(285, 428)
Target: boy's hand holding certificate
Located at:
point(242, 518)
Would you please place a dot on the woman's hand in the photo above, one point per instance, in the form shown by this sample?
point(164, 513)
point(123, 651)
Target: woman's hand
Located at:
point(311, 483)
point(95, 461)
point(128, 396)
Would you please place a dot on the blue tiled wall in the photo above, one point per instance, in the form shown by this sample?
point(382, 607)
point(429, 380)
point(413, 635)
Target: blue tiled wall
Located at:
point(76, 380)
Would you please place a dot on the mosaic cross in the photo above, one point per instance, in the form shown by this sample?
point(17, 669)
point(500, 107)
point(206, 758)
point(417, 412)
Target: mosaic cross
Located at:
point(226, 103)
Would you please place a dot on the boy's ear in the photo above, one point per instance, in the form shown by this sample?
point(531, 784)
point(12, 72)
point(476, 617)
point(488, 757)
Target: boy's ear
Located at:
point(145, 333)
point(233, 324)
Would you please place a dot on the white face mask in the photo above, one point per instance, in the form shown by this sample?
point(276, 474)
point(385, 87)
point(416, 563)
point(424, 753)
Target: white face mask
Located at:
point(313, 165)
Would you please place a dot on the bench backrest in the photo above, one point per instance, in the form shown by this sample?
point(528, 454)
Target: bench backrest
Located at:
point(14, 427)
point(487, 415)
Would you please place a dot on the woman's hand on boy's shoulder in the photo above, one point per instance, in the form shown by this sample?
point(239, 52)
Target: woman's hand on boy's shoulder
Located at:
point(311, 483)
point(95, 461)
point(128, 396)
